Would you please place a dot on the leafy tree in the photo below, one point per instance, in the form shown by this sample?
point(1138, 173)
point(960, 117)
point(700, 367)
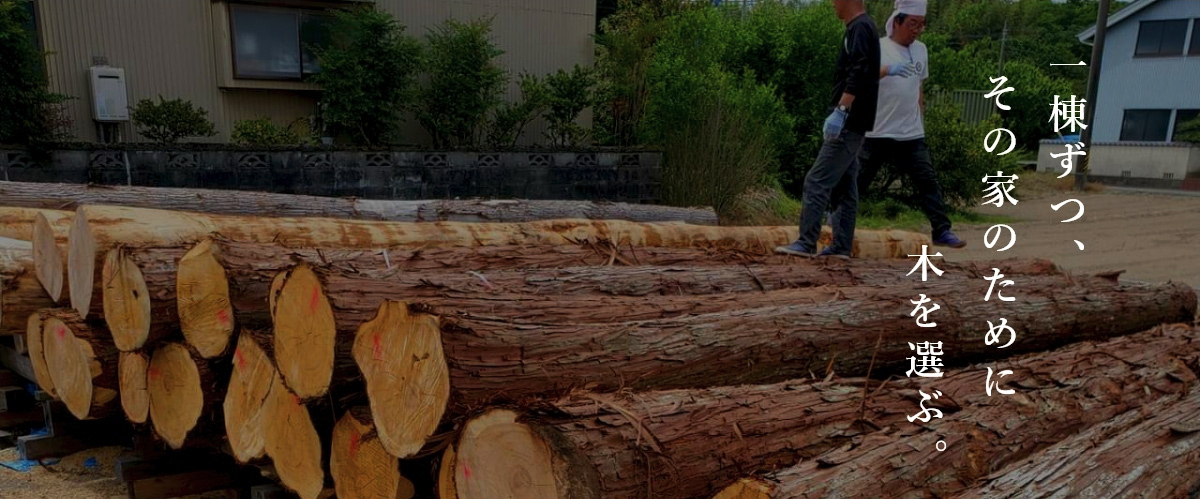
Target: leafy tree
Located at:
point(465, 82)
point(511, 118)
point(262, 132)
point(568, 94)
point(29, 112)
point(1188, 131)
point(368, 75)
point(167, 121)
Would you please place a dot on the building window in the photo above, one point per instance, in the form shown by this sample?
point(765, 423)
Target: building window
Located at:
point(1194, 49)
point(1182, 116)
point(1145, 125)
point(276, 43)
point(1161, 38)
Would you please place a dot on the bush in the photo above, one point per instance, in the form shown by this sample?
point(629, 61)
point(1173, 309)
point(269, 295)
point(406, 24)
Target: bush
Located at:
point(511, 118)
point(29, 112)
point(465, 83)
point(1188, 131)
point(262, 132)
point(167, 121)
point(368, 74)
point(568, 94)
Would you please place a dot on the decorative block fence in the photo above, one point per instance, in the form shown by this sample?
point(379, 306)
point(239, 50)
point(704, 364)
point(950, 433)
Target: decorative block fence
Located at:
point(633, 177)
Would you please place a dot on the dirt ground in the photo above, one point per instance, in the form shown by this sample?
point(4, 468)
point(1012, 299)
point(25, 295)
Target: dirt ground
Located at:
point(1153, 237)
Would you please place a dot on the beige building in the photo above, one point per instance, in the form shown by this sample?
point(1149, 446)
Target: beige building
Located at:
point(242, 59)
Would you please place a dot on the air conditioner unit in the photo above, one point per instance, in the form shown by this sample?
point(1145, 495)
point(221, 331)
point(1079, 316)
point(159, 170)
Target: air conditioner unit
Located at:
point(109, 99)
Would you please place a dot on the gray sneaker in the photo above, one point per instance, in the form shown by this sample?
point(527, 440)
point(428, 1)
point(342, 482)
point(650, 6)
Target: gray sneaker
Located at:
point(795, 249)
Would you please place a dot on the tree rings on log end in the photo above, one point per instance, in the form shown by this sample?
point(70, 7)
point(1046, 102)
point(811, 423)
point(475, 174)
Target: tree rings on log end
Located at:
point(81, 263)
point(126, 301)
point(37, 356)
point(72, 363)
point(176, 395)
point(408, 383)
point(202, 294)
point(747, 488)
point(305, 333)
point(292, 442)
point(361, 467)
point(47, 259)
point(499, 457)
point(135, 397)
point(245, 401)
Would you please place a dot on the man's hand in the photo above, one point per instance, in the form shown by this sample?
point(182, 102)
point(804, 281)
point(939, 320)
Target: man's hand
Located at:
point(902, 70)
point(834, 124)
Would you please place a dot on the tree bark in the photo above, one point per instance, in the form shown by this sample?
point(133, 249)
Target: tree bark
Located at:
point(489, 356)
point(82, 362)
point(17, 223)
point(1064, 396)
point(20, 292)
point(1146, 452)
point(71, 196)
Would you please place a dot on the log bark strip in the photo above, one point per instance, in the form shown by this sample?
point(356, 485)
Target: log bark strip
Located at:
point(489, 356)
point(82, 362)
point(361, 467)
point(182, 387)
point(20, 292)
point(17, 222)
point(1061, 396)
point(71, 196)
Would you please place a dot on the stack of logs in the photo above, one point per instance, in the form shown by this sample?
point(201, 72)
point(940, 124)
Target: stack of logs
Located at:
point(595, 359)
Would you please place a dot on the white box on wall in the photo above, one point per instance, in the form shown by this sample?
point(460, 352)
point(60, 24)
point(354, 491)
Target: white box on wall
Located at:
point(110, 102)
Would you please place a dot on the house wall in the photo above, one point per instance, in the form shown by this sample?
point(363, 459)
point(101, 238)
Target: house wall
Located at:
point(1127, 82)
point(178, 48)
point(1143, 160)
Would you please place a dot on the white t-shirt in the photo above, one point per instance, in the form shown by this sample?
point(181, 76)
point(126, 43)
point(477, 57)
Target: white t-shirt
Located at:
point(898, 113)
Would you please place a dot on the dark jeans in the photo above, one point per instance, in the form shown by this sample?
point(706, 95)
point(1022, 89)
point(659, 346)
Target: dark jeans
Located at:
point(911, 158)
point(833, 176)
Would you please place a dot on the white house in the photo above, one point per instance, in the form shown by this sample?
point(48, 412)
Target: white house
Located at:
point(1149, 84)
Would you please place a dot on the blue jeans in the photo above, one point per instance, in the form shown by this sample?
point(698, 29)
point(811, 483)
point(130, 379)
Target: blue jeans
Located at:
point(834, 175)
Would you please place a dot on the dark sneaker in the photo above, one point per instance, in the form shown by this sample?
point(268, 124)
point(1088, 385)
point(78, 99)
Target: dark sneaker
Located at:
point(795, 249)
point(828, 251)
point(949, 239)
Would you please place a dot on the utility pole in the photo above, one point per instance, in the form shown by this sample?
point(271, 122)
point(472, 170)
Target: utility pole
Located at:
point(1003, 41)
point(1093, 87)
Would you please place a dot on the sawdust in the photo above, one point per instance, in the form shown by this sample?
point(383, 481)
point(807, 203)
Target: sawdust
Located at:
point(70, 478)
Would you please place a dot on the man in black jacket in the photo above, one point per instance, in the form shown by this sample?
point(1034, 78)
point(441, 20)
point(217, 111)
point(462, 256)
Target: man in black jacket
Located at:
point(855, 91)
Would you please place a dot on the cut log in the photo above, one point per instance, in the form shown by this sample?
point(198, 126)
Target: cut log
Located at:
point(691, 443)
point(203, 307)
point(48, 258)
point(490, 356)
point(445, 479)
point(135, 310)
point(70, 196)
point(249, 388)
point(37, 356)
point(1149, 452)
point(17, 222)
point(304, 332)
point(182, 387)
point(135, 398)
point(361, 467)
point(82, 362)
point(400, 355)
point(292, 442)
point(101, 227)
point(1065, 395)
point(20, 292)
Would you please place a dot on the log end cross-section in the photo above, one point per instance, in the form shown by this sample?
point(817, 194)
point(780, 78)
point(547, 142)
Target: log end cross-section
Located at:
point(135, 397)
point(37, 356)
point(202, 293)
point(500, 456)
point(176, 393)
point(82, 364)
point(746, 488)
point(400, 355)
point(305, 333)
point(292, 442)
point(249, 388)
point(126, 301)
point(81, 263)
point(361, 467)
point(47, 259)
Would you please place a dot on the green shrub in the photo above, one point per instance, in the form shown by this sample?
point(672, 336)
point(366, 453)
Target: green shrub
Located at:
point(29, 112)
point(568, 94)
point(167, 121)
point(511, 118)
point(465, 83)
point(1188, 131)
point(368, 74)
point(262, 132)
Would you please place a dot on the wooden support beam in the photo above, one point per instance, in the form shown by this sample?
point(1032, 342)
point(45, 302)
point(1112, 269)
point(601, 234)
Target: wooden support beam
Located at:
point(16, 362)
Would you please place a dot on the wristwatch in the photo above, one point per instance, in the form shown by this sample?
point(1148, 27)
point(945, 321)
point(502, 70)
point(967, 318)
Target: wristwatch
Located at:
point(843, 109)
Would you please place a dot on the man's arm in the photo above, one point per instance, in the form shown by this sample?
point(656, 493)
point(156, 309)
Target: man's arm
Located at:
point(860, 74)
point(921, 96)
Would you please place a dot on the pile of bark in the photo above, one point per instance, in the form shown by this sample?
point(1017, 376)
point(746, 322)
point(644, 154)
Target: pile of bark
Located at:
point(590, 358)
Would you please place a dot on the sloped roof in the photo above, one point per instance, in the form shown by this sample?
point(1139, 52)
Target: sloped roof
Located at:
point(1086, 35)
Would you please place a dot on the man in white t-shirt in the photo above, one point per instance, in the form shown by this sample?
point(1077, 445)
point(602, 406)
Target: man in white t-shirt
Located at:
point(899, 134)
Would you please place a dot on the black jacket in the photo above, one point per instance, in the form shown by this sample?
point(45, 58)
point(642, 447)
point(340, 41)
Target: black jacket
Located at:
point(858, 73)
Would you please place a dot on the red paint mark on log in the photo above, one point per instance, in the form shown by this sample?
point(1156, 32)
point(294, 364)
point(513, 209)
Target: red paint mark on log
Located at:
point(223, 316)
point(354, 440)
point(378, 348)
point(62, 332)
point(154, 373)
point(466, 471)
point(312, 302)
point(295, 399)
point(241, 359)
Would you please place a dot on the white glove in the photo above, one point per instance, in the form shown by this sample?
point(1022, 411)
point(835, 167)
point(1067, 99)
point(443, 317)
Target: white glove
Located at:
point(902, 70)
